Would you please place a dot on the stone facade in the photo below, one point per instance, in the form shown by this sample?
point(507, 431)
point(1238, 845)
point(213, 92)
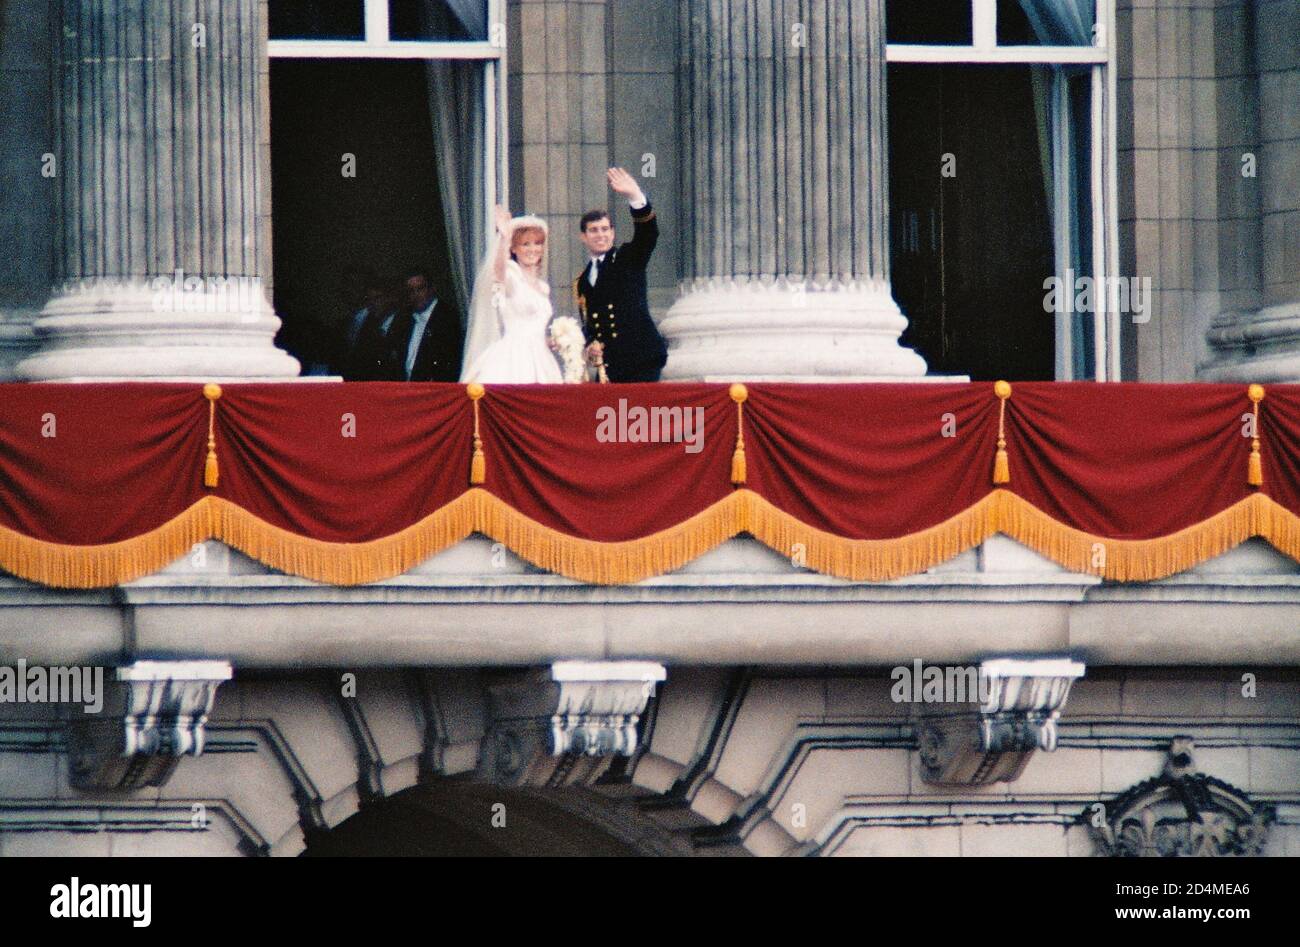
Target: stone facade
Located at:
point(765, 762)
point(774, 730)
point(1209, 156)
point(750, 744)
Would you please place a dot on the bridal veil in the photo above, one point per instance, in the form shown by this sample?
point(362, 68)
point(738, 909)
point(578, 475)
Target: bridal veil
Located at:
point(484, 327)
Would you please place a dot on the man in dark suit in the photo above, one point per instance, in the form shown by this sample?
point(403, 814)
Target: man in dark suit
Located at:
point(365, 347)
point(425, 341)
point(611, 291)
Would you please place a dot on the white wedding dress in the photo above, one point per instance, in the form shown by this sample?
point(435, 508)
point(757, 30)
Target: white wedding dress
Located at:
point(520, 355)
point(508, 338)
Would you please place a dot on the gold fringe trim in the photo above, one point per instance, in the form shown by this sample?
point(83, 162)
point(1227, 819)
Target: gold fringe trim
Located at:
point(618, 563)
point(94, 567)
point(1137, 560)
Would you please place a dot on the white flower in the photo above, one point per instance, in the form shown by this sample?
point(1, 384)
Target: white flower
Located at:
point(569, 343)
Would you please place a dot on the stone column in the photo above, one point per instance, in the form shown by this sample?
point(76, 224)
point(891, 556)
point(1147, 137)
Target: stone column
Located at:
point(163, 171)
point(786, 243)
point(1263, 344)
point(25, 188)
point(559, 136)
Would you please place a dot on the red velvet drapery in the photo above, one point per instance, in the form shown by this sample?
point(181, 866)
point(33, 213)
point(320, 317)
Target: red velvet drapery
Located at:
point(352, 483)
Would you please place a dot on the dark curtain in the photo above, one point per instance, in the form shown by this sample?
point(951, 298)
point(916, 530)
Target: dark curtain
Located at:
point(456, 106)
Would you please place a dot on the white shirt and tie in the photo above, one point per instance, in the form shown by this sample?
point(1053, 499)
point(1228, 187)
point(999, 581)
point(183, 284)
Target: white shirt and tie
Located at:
point(593, 268)
point(421, 320)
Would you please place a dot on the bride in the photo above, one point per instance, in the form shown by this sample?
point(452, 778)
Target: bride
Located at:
point(511, 310)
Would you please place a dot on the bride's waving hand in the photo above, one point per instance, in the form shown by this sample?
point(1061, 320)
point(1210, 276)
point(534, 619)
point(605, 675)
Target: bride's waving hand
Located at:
point(499, 259)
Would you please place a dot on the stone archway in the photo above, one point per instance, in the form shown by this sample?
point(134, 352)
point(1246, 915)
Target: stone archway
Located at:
point(449, 817)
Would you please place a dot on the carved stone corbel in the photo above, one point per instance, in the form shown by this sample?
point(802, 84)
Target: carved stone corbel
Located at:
point(567, 726)
point(1020, 701)
point(154, 713)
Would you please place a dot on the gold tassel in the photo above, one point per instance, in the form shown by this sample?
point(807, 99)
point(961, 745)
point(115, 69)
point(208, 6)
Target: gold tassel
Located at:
point(738, 394)
point(1255, 468)
point(1001, 465)
point(477, 465)
point(738, 466)
point(211, 472)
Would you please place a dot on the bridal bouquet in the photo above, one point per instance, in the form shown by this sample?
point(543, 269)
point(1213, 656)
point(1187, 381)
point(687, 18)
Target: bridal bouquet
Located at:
point(569, 342)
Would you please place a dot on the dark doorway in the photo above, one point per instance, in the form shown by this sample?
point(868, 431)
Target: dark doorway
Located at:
point(970, 252)
point(449, 817)
point(328, 227)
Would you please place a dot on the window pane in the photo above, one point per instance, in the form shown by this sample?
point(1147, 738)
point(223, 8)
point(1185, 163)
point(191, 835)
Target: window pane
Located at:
point(970, 251)
point(437, 19)
point(938, 22)
point(1045, 22)
point(317, 19)
point(340, 244)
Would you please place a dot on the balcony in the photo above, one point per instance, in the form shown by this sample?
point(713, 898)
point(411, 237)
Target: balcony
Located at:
point(418, 525)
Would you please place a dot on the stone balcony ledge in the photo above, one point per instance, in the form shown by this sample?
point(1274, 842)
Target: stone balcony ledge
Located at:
point(740, 603)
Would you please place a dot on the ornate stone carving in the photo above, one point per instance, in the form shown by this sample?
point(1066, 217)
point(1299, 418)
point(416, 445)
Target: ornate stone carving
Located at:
point(1021, 701)
point(154, 713)
point(600, 705)
point(566, 727)
point(1182, 812)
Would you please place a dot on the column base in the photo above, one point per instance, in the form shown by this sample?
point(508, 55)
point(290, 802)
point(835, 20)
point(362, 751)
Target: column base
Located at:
point(17, 340)
point(783, 331)
point(1262, 346)
point(163, 329)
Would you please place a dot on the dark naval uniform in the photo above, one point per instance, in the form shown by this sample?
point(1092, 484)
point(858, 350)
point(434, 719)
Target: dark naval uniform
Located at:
point(615, 312)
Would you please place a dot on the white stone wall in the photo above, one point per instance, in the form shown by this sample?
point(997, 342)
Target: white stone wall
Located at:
point(787, 763)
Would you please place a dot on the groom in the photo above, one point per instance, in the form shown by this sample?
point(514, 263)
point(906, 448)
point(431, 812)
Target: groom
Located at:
point(611, 291)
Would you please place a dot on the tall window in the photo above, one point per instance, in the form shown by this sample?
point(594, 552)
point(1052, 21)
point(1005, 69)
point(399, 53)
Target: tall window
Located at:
point(1018, 96)
point(412, 91)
